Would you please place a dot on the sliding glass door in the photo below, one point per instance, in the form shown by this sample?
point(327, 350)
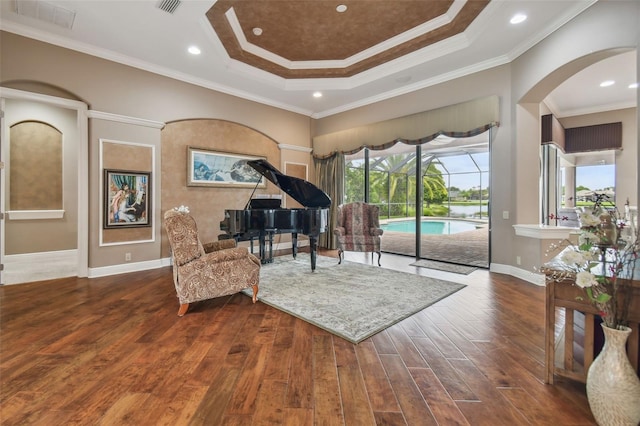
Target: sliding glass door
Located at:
point(433, 198)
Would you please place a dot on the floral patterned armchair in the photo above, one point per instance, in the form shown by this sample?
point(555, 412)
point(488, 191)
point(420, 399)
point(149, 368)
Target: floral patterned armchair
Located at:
point(207, 271)
point(358, 229)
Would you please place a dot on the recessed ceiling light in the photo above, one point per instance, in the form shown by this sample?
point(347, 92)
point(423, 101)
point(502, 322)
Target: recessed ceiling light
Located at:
point(518, 18)
point(257, 31)
point(633, 86)
point(341, 8)
point(607, 83)
point(317, 94)
point(194, 50)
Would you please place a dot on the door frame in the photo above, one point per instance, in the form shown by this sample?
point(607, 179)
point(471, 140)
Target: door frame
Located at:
point(81, 109)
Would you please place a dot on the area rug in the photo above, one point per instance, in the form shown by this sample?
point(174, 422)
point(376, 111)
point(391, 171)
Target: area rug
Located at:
point(351, 300)
point(444, 266)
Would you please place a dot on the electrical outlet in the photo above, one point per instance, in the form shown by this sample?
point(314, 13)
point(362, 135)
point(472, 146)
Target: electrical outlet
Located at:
point(505, 214)
point(127, 257)
point(518, 260)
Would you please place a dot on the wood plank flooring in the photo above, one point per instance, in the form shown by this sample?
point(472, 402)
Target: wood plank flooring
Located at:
point(112, 351)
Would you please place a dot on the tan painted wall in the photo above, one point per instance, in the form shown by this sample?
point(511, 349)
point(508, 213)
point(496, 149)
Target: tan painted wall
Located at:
point(28, 236)
point(207, 204)
point(110, 87)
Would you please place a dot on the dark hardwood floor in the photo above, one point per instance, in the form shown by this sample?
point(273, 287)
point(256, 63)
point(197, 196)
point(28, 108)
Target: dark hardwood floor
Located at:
point(113, 351)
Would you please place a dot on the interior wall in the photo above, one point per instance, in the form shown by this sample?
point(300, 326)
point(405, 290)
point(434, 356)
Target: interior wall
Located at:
point(126, 92)
point(207, 204)
point(109, 247)
point(579, 43)
point(26, 236)
point(496, 82)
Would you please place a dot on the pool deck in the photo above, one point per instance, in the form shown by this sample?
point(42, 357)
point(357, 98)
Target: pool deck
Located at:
point(464, 248)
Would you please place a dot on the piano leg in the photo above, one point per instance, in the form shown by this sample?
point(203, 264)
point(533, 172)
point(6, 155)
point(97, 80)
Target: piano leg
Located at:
point(294, 243)
point(266, 252)
point(313, 242)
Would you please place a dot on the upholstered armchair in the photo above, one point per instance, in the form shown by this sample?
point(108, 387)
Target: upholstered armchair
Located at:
point(207, 271)
point(358, 229)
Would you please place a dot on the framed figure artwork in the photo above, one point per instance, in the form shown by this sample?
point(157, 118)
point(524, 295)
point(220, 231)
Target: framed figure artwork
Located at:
point(126, 199)
point(212, 168)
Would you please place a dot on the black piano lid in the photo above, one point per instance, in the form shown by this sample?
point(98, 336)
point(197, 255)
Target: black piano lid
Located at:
point(300, 190)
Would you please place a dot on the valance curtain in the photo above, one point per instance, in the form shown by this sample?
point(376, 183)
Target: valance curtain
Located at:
point(458, 121)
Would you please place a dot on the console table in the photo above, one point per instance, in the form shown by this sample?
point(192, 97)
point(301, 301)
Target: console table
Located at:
point(565, 295)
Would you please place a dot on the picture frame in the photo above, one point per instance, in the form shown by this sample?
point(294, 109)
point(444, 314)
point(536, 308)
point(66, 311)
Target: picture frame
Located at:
point(221, 169)
point(127, 198)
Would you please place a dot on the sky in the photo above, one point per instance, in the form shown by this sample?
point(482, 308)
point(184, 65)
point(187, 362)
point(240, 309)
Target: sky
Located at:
point(592, 177)
point(596, 177)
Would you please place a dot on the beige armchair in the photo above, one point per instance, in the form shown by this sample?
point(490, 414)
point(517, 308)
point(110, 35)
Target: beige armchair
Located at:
point(202, 272)
point(358, 229)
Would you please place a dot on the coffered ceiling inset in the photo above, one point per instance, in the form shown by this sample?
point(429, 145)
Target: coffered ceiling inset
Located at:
point(311, 39)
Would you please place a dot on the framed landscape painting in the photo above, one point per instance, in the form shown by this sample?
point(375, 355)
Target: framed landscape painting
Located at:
point(126, 199)
point(212, 168)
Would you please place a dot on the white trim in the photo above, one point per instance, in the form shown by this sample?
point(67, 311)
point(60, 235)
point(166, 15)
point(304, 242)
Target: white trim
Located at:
point(29, 267)
point(528, 276)
point(306, 168)
point(124, 268)
point(83, 169)
point(126, 243)
point(34, 214)
point(283, 147)
point(8, 93)
point(544, 232)
point(100, 115)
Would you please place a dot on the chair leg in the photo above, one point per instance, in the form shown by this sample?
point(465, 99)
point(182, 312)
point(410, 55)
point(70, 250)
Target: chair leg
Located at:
point(379, 255)
point(255, 292)
point(183, 309)
point(340, 252)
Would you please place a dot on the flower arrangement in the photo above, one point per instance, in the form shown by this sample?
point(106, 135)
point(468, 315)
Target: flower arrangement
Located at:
point(602, 262)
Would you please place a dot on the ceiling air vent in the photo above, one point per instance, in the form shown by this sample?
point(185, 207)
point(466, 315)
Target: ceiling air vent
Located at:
point(46, 12)
point(169, 6)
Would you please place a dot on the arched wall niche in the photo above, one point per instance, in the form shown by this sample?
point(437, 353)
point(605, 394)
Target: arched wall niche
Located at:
point(35, 146)
point(207, 204)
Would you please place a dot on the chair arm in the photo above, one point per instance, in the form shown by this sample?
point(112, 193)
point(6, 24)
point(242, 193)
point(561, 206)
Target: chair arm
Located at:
point(219, 245)
point(225, 255)
point(376, 231)
point(339, 231)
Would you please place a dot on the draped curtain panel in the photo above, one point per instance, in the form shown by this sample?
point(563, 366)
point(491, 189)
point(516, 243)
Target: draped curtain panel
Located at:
point(330, 174)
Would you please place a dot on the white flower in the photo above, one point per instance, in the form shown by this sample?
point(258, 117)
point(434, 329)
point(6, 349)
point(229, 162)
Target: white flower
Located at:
point(587, 237)
point(576, 258)
point(585, 279)
point(182, 209)
point(589, 219)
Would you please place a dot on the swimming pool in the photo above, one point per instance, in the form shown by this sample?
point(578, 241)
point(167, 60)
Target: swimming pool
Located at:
point(430, 227)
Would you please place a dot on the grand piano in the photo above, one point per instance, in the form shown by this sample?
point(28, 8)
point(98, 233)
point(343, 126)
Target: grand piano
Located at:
point(262, 217)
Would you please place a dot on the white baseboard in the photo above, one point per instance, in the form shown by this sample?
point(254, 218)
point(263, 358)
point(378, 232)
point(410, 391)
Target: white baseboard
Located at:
point(531, 277)
point(50, 265)
point(123, 268)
